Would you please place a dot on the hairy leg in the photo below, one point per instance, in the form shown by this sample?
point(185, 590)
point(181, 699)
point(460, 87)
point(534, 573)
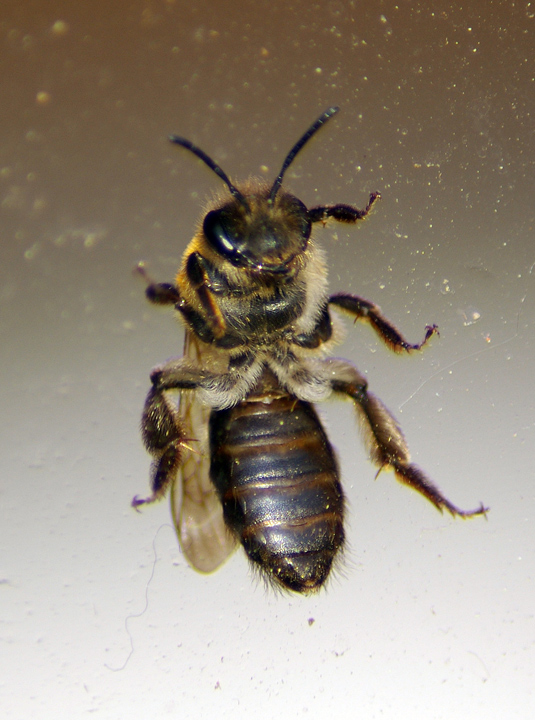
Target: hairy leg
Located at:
point(384, 438)
point(364, 310)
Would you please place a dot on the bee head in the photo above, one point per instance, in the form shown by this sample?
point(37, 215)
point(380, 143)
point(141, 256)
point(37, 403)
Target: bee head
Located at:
point(264, 230)
point(261, 235)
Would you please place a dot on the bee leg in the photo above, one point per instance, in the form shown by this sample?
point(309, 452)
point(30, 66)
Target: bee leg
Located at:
point(161, 427)
point(163, 437)
point(180, 374)
point(215, 389)
point(384, 438)
point(158, 293)
point(364, 310)
point(319, 335)
point(340, 212)
point(198, 272)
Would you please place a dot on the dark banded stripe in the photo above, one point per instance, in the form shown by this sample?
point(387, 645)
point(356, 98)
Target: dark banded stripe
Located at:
point(277, 477)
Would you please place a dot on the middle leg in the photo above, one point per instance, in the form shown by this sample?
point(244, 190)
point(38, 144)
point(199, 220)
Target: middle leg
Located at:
point(364, 310)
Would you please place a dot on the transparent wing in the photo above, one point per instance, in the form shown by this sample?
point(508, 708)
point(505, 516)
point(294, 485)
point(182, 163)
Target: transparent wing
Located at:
point(196, 508)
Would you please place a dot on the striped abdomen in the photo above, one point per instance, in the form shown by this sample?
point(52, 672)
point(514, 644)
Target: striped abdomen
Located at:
point(277, 477)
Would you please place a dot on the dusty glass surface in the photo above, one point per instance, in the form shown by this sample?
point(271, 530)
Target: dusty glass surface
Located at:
point(428, 617)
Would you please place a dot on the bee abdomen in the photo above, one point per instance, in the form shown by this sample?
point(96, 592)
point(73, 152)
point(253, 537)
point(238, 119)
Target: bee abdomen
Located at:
point(277, 477)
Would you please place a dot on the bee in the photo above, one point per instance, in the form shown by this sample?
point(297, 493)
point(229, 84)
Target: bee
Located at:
point(256, 464)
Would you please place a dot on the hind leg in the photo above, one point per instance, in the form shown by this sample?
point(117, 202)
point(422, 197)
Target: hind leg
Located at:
point(384, 438)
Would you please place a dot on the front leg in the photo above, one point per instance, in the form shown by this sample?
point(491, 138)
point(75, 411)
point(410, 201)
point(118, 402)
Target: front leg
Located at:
point(384, 438)
point(208, 326)
point(341, 212)
point(198, 272)
point(158, 293)
point(364, 310)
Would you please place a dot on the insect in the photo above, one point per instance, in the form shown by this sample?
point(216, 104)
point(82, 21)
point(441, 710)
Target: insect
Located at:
point(255, 462)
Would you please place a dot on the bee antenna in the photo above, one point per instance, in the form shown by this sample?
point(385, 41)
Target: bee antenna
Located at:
point(212, 165)
point(312, 130)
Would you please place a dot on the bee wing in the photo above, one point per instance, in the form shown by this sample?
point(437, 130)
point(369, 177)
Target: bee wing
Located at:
point(195, 505)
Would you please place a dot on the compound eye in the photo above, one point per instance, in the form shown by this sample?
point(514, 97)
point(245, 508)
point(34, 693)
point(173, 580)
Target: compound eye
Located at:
point(216, 233)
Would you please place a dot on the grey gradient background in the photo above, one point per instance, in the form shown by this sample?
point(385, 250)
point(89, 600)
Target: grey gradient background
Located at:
point(428, 617)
